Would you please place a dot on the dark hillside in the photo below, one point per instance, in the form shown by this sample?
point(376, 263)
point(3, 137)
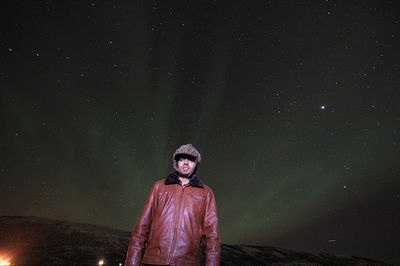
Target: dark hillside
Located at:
point(42, 241)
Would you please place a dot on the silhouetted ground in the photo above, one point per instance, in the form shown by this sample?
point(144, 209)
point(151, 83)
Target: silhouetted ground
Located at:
point(42, 241)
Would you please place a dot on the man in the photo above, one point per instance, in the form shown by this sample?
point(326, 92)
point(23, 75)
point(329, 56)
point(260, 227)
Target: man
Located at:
point(179, 219)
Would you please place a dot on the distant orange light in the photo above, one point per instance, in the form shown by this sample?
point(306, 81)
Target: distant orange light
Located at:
point(101, 262)
point(4, 262)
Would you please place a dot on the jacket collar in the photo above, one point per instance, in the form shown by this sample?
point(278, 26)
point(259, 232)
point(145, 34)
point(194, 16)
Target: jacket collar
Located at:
point(173, 178)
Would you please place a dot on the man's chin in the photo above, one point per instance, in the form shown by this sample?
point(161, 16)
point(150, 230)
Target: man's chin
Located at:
point(184, 174)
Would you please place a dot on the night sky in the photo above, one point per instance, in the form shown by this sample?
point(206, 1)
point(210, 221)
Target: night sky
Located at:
point(294, 106)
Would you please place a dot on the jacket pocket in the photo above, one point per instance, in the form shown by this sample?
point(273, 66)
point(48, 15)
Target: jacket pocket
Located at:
point(198, 197)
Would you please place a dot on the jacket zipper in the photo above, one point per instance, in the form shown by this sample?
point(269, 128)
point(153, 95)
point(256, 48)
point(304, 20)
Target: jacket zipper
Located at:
point(177, 217)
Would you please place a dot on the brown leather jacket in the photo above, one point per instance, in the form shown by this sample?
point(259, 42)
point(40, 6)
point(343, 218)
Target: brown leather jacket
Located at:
point(176, 224)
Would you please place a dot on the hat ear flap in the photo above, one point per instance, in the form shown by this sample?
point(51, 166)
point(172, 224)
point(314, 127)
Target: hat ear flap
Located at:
point(175, 163)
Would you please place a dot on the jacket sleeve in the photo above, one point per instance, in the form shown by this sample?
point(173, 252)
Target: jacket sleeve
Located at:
point(212, 240)
point(140, 234)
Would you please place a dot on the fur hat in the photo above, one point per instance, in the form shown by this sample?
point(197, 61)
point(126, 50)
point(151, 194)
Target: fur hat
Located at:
point(187, 149)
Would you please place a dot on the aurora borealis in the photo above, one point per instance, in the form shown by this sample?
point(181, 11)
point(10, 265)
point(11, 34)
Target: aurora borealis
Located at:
point(294, 106)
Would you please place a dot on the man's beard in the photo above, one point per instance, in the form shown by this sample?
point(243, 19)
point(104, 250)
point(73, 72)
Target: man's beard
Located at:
point(185, 175)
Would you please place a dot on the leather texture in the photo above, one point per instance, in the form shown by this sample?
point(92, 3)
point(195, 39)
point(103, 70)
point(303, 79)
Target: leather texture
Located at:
point(176, 224)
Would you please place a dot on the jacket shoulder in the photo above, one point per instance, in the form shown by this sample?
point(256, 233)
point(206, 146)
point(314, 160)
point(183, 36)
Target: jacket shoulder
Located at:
point(159, 183)
point(207, 189)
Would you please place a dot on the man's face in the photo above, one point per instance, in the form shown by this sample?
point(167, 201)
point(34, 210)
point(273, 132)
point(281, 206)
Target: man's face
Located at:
point(186, 165)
